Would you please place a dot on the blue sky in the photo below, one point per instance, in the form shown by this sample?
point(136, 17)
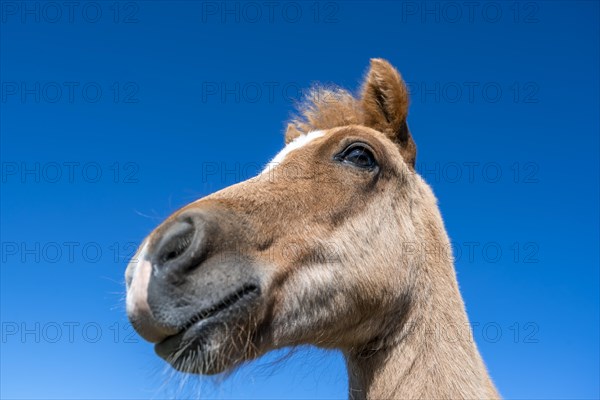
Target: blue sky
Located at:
point(114, 114)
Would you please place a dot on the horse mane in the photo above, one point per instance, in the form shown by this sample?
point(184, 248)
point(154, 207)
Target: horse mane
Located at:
point(324, 108)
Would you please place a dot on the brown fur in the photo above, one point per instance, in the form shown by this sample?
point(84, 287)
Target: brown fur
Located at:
point(383, 106)
point(350, 259)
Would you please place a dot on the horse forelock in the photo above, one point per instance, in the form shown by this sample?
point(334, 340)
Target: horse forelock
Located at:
point(325, 108)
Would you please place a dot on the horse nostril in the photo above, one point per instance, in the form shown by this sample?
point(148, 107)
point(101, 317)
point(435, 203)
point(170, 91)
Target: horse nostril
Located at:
point(175, 241)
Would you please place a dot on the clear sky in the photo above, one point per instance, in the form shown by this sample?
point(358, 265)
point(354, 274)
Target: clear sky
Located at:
point(114, 114)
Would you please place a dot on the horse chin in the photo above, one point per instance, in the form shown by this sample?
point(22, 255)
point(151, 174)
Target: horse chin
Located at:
point(215, 344)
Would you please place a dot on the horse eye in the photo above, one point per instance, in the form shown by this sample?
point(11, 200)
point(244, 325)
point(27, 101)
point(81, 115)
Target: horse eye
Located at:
point(358, 155)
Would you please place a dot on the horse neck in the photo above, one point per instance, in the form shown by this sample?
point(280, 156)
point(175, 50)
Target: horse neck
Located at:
point(431, 353)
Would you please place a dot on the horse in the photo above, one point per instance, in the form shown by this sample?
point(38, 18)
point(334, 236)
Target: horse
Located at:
point(333, 245)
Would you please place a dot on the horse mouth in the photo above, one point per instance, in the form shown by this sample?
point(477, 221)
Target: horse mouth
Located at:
point(192, 335)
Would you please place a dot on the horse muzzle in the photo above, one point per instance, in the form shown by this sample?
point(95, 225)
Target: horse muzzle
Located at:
point(185, 279)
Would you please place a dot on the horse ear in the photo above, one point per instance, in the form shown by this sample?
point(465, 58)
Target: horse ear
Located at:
point(385, 104)
point(291, 133)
